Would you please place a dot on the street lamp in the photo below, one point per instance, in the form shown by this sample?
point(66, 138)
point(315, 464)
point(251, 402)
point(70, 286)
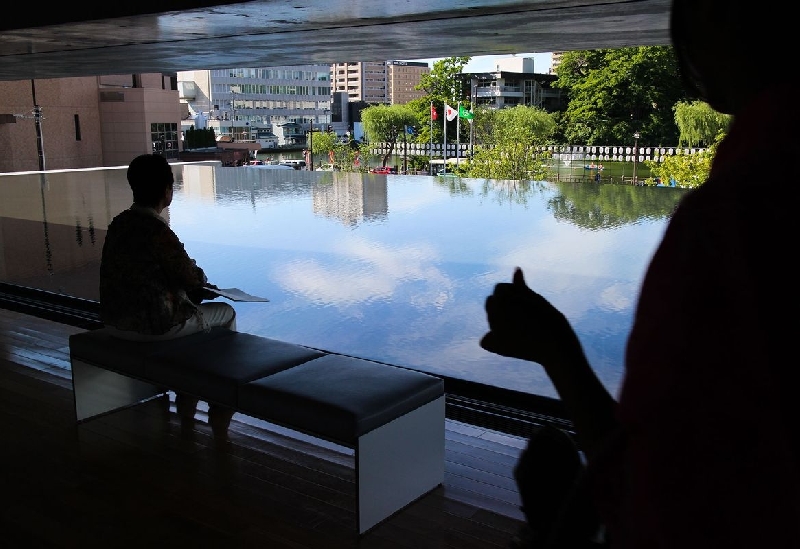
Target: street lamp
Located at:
point(636, 137)
point(233, 114)
point(311, 146)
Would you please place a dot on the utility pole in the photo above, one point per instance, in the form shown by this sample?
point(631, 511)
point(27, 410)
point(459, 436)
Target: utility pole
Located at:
point(36, 115)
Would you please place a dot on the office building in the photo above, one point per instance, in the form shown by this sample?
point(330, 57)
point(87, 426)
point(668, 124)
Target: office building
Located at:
point(402, 79)
point(243, 103)
point(86, 122)
point(365, 81)
point(508, 88)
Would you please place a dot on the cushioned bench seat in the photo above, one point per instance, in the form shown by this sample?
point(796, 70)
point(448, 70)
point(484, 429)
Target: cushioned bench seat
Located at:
point(342, 397)
point(215, 368)
point(393, 417)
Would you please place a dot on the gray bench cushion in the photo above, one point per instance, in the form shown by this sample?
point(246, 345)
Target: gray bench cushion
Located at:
point(214, 369)
point(129, 357)
point(338, 397)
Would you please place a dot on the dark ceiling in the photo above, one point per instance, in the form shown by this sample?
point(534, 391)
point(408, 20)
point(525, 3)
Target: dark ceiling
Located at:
point(78, 39)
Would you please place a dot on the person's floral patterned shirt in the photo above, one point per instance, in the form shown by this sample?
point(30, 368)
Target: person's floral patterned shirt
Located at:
point(145, 274)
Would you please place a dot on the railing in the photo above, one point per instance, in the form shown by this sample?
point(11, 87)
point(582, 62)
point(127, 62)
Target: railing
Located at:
point(564, 153)
point(581, 153)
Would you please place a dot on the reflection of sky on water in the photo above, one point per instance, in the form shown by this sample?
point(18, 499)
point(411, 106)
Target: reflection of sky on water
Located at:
point(408, 288)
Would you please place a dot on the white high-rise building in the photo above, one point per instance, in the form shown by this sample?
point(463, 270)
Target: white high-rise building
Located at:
point(242, 102)
point(515, 64)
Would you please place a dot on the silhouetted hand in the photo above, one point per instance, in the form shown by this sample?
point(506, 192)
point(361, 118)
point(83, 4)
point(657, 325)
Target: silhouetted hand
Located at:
point(523, 324)
point(198, 295)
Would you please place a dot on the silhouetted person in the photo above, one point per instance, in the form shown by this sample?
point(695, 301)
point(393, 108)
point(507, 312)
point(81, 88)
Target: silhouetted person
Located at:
point(150, 289)
point(701, 449)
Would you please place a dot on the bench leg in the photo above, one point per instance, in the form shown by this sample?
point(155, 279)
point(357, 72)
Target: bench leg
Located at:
point(219, 417)
point(399, 463)
point(99, 391)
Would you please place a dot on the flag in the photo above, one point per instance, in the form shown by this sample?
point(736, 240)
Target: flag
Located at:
point(434, 114)
point(464, 113)
point(450, 113)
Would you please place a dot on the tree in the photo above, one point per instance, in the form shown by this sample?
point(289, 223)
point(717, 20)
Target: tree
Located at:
point(615, 93)
point(699, 124)
point(199, 138)
point(422, 111)
point(685, 170)
point(320, 143)
point(510, 143)
point(387, 123)
point(445, 83)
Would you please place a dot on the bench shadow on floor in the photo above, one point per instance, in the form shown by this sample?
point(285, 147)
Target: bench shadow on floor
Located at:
point(133, 478)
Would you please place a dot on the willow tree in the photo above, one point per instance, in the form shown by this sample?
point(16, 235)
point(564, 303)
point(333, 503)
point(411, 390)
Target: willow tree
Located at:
point(387, 123)
point(699, 124)
point(511, 144)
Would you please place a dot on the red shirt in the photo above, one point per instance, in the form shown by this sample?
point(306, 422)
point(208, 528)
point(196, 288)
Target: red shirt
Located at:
point(707, 454)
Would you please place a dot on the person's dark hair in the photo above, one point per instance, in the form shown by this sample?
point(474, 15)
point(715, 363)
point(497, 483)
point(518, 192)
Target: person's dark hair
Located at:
point(149, 176)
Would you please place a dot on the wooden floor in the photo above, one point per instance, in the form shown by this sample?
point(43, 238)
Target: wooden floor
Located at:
point(132, 479)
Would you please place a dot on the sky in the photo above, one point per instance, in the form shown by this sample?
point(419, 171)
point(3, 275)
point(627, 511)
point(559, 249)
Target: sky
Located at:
point(486, 63)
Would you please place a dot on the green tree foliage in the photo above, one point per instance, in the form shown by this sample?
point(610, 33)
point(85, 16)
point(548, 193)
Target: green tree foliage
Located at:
point(686, 170)
point(510, 143)
point(321, 142)
point(199, 138)
point(345, 157)
point(699, 124)
point(614, 93)
point(348, 158)
point(387, 123)
point(422, 127)
point(445, 83)
point(595, 207)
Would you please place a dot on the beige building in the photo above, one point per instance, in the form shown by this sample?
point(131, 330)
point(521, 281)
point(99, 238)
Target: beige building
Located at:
point(402, 78)
point(379, 82)
point(556, 61)
point(361, 81)
point(87, 122)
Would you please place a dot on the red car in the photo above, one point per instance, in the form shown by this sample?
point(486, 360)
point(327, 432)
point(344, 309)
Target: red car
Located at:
point(382, 169)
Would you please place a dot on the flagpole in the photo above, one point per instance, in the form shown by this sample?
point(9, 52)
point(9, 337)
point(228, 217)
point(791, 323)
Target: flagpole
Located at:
point(430, 163)
point(444, 156)
point(458, 132)
point(405, 150)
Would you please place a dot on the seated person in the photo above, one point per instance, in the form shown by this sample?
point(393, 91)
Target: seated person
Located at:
point(150, 289)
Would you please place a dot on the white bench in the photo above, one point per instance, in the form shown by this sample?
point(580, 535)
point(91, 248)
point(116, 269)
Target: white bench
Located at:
point(392, 417)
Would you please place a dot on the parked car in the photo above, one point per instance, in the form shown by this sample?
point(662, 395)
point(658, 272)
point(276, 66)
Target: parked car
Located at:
point(383, 170)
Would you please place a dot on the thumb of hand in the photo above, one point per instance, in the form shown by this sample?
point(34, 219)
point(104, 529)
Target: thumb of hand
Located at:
point(519, 278)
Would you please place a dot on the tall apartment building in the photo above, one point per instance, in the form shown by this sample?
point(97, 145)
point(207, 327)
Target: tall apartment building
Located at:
point(364, 81)
point(379, 82)
point(402, 78)
point(241, 102)
point(555, 62)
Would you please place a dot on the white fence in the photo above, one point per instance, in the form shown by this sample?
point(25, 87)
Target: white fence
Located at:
point(565, 153)
point(578, 153)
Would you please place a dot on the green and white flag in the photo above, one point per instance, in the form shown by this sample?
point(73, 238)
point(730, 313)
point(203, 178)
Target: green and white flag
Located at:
point(464, 113)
